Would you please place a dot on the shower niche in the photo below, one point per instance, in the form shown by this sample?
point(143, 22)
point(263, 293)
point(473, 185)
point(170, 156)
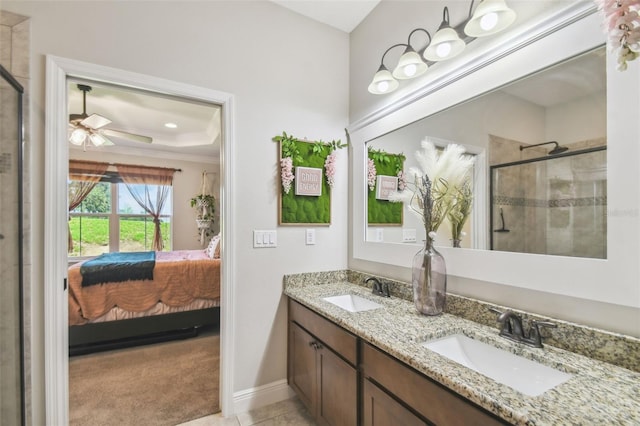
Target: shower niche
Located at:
point(552, 203)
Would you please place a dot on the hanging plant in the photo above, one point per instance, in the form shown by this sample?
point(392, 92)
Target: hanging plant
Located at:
point(205, 205)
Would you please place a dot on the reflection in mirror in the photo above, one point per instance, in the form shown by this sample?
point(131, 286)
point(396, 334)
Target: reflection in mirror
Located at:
point(554, 204)
point(563, 106)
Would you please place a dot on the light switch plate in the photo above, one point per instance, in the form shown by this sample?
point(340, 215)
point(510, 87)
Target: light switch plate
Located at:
point(408, 235)
point(265, 239)
point(310, 237)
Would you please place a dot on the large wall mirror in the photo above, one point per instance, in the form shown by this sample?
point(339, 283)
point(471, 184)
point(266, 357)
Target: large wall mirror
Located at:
point(539, 183)
point(545, 200)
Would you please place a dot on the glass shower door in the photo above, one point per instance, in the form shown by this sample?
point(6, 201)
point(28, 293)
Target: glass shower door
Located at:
point(11, 331)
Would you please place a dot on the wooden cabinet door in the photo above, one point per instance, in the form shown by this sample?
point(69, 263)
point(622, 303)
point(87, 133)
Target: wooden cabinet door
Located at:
point(379, 409)
point(302, 366)
point(338, 390)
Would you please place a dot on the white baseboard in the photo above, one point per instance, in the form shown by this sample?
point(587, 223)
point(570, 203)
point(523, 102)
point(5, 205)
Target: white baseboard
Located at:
point(250, 399)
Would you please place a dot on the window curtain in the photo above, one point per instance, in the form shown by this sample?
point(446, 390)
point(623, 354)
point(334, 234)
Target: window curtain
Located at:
point(151, 203)
point(83, 176)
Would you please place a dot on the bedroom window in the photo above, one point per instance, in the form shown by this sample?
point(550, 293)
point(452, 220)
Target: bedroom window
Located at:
point(110, 220)
point(136, 226)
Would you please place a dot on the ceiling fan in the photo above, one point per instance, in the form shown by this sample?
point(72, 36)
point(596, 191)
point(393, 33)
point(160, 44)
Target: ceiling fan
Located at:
point(84, 127)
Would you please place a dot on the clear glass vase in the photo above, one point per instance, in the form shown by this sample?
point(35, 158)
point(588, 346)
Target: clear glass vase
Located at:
point(429, 278)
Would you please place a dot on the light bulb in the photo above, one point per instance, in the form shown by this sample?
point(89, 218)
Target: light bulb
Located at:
point(410, 70)
point(97, 139)
point(443, 50)
point(78, 136)
point(383, 82)
point(489, 21)
point(383, 86)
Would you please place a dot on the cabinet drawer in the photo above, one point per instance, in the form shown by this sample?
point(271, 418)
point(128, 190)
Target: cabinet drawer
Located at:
point(432, 400)
point(379, 409)
point(338, 339)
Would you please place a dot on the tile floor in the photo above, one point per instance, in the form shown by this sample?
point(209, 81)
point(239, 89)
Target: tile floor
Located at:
point(288, 412)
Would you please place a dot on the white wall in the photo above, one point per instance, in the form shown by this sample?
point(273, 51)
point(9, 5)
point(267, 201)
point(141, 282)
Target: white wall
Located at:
point(566, 122)
point(186, 184)
point(286, 72)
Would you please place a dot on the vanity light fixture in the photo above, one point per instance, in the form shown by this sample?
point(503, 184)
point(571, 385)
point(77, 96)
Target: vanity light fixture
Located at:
point(410, 64)
point(489, 17)
point(446, 42)
point(383, 82)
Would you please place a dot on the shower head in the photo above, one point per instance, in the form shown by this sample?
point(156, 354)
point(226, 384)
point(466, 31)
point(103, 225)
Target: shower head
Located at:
point(556, 150)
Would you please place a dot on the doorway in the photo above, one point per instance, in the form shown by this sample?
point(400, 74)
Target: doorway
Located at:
point(59, 70)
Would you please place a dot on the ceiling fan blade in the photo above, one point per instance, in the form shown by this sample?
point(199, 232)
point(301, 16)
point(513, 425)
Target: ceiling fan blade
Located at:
point(126, 135)
point(95, 121)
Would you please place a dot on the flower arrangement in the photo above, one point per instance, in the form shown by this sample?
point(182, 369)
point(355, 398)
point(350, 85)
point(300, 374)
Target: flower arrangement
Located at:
point(402, 182)
point(622, 24)
point(286, 173)
point(371, 174)
point(432, 188)
point(330, 168)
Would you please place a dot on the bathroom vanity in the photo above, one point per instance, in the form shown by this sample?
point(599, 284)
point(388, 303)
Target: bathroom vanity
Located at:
point(371, 367)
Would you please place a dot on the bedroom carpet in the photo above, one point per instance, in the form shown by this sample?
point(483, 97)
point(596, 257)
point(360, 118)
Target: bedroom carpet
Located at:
point(160, 384)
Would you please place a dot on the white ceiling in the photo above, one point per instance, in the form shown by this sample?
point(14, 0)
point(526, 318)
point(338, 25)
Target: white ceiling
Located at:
point(344, 15)
point(198, 124)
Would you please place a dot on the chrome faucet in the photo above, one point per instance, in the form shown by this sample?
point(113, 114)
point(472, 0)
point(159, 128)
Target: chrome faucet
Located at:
point(379, 288)
point(511, 328)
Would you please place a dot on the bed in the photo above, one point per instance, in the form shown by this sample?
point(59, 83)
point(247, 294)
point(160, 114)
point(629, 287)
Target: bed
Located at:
point(110, 308)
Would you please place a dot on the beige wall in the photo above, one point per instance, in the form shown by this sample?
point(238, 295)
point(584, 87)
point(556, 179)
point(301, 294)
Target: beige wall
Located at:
point(287, 73)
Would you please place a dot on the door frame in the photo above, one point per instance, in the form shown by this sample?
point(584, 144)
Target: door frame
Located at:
point(56, 333)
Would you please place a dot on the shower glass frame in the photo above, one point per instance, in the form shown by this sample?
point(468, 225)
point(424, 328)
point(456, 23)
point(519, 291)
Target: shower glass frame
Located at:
point(6, 75)
point(494, 168)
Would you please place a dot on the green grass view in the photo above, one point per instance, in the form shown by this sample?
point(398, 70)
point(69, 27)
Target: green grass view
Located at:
point(135, 235)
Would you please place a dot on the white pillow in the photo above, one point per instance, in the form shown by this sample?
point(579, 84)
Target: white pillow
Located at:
point(211, 248)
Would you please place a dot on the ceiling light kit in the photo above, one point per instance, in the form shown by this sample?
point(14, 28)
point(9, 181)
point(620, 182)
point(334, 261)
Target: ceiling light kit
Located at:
point(490, 17)
point(85, 128)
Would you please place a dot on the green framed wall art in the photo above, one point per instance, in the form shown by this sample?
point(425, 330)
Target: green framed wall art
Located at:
point(306, 177)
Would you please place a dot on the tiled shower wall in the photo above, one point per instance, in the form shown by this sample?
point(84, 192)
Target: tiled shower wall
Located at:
point(550, 207)
point(14, 56)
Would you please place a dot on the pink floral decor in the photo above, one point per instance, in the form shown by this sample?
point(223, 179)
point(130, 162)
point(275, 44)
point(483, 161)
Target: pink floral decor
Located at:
point(622, 24)
point(286, 166)
point(402, 182)
point(371, 175)
point(330, 168)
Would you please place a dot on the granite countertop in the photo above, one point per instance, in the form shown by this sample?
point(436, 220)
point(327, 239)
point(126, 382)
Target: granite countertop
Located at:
point(597, 393)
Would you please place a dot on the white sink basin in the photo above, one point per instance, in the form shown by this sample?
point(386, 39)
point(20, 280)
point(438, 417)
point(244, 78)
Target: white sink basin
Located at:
point(521, 374)
point(353, 303)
